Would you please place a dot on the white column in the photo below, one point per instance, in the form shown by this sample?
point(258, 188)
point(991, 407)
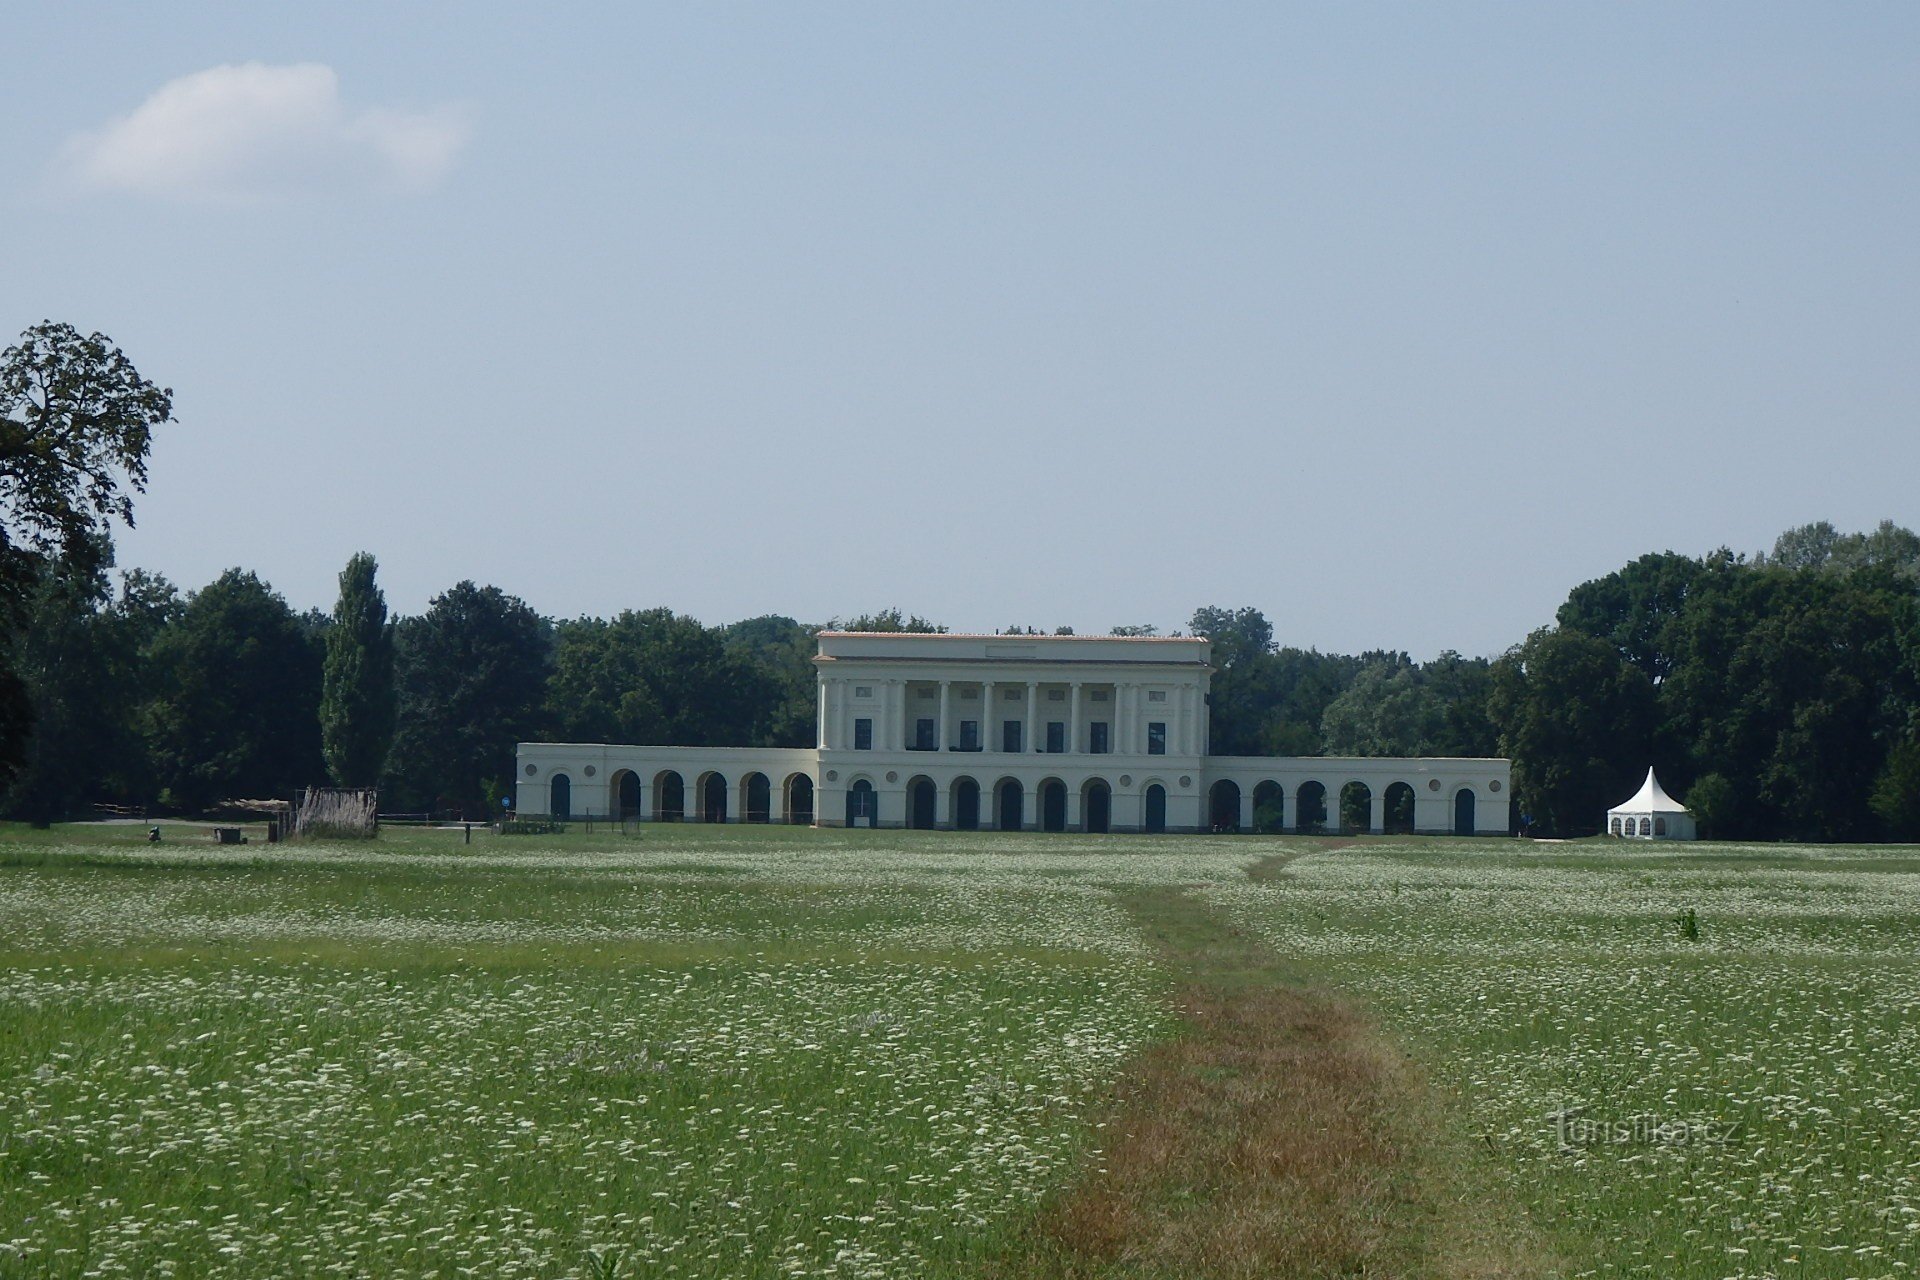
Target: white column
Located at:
point(1123, 716)
point(1026, 734)
point(1074, 745)
point(890, 732)
point(943, 733)
point(822, 727)
point(1377, 821)
point(988, 742)
point(1246, 808)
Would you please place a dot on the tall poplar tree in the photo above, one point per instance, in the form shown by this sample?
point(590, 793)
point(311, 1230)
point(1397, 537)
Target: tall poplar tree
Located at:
point(357, 694)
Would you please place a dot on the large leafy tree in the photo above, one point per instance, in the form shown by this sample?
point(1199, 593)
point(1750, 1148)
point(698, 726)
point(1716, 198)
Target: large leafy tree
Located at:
point(655, 676)
point(356, 692)
point(781, 651)
point(1577, 720)
point(471, 677)
point(76, 421)
point(1388, 710)
point(238, 703)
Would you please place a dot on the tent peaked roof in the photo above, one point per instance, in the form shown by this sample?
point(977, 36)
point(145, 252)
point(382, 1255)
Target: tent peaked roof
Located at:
point(1650, 798)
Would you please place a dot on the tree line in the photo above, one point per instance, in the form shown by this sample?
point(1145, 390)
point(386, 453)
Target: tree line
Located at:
point(1778, 693)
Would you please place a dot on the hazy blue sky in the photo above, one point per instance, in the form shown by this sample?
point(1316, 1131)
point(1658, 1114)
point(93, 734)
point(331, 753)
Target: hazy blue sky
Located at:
point(1393, 321)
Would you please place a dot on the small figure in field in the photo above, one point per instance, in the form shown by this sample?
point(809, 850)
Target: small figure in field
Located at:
point(153, 835)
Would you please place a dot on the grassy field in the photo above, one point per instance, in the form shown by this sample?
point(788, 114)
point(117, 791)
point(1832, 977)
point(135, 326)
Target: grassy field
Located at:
point(769, 1052)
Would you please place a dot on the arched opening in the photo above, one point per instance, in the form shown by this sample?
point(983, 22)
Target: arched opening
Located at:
point(800, 800)
point(756, 798)
point(669, 797)
point(920, 804)
point(1009, 799)
point(1614, 826)
point(1397, 812)
point(713, 798)
point(1643, 828)
point(1463, 812)
point(1223, 806)
point(1053, 805)
point(863, 808)
point(1156, 814)
point(628, 803)
point(1310, 807)
point(1356, 807)
point(560, 797)
point(966, 804)
point(1269, 807)
point(1096, 807)
point(1659, 825)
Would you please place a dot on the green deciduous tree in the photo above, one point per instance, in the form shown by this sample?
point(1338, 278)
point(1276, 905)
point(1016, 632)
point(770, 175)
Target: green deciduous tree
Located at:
point(471, 677)
point(655, 676)
point(237, 712)
point(356, 689)
point(76, 422)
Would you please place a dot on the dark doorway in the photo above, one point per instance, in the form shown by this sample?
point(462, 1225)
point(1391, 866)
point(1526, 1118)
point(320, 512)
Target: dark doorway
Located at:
point(1397, 814)
point(1156, 808)
point(560, 797)
point(1223, 806)
point(1310, 807)
point(863, 809)
point(1096, 804)
point(1053, 806)
point(713, 799)
point(966, 805)
point(628, 804)
point(800, 800)
point(1269, 807)
point(920, 804)
point(1013, 797)
point(759, 798)
point(1463, 812)
point(669, 798)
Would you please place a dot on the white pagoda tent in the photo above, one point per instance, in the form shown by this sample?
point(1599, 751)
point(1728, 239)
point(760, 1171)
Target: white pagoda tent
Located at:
point(1652, 814)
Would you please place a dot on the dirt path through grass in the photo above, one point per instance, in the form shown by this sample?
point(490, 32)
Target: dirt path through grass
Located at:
point(1280, 1135)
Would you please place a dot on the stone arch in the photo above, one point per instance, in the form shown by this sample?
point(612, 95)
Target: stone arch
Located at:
point(1096, 806)
point(1269, 806)
point(1009, 805)
point(1223, 806)
point(923, 799)
point(1310, 807)
point(963, 802)
point(1396, 812)
point(799, 793)
point(1053, 804)
point(756, 798)
point(1154, 808)
point(863, 804)
point(669, 797)
point(560, 797)
point(711, 794)
point(1356, 807)
point(1463, 802)
point(627, 795)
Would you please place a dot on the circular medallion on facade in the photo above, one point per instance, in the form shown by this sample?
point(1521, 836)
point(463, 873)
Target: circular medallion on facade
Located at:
point(532, 769)
point(1186, 781)
point(588, 771)
point(1494, 785)
point(892, 776)
point(1433, 784)
point(1126, 779)
point(833, 775)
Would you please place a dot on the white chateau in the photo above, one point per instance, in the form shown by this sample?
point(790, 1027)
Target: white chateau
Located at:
point(1012, 733)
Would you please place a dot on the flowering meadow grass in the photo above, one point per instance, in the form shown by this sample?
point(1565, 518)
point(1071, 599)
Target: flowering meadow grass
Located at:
point(772, 1052)
point(1695, 1061)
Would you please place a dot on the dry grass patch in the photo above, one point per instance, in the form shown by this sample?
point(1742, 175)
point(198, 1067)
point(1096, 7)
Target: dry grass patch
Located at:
point(1279, 1136)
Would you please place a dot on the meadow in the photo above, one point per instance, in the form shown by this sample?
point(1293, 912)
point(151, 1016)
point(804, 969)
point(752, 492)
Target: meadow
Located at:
point(773, 1052)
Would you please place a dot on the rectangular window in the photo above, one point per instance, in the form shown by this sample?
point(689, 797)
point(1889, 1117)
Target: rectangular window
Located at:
point(923, 734)
point(1056, 695)
point(969, 735)
point(1013, 695)
point(1157, 738)
point(863, 734)
point(1097, 733)
point(1099, 695)
point(1056, 736)
point(1010, 736)
point(863, 691)
point(1156, 695)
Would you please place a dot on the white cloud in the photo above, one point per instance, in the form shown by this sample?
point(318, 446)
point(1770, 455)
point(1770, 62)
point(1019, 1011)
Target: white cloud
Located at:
point(254, 131)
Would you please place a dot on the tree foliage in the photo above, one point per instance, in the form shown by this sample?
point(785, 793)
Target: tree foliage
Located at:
point(356, 690)
point(471, 677)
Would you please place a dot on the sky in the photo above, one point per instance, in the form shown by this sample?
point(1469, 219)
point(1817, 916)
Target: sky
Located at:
point(1395, 322)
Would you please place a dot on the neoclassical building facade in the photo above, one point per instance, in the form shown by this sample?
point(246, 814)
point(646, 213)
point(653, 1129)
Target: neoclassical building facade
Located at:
point(1013, 733)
